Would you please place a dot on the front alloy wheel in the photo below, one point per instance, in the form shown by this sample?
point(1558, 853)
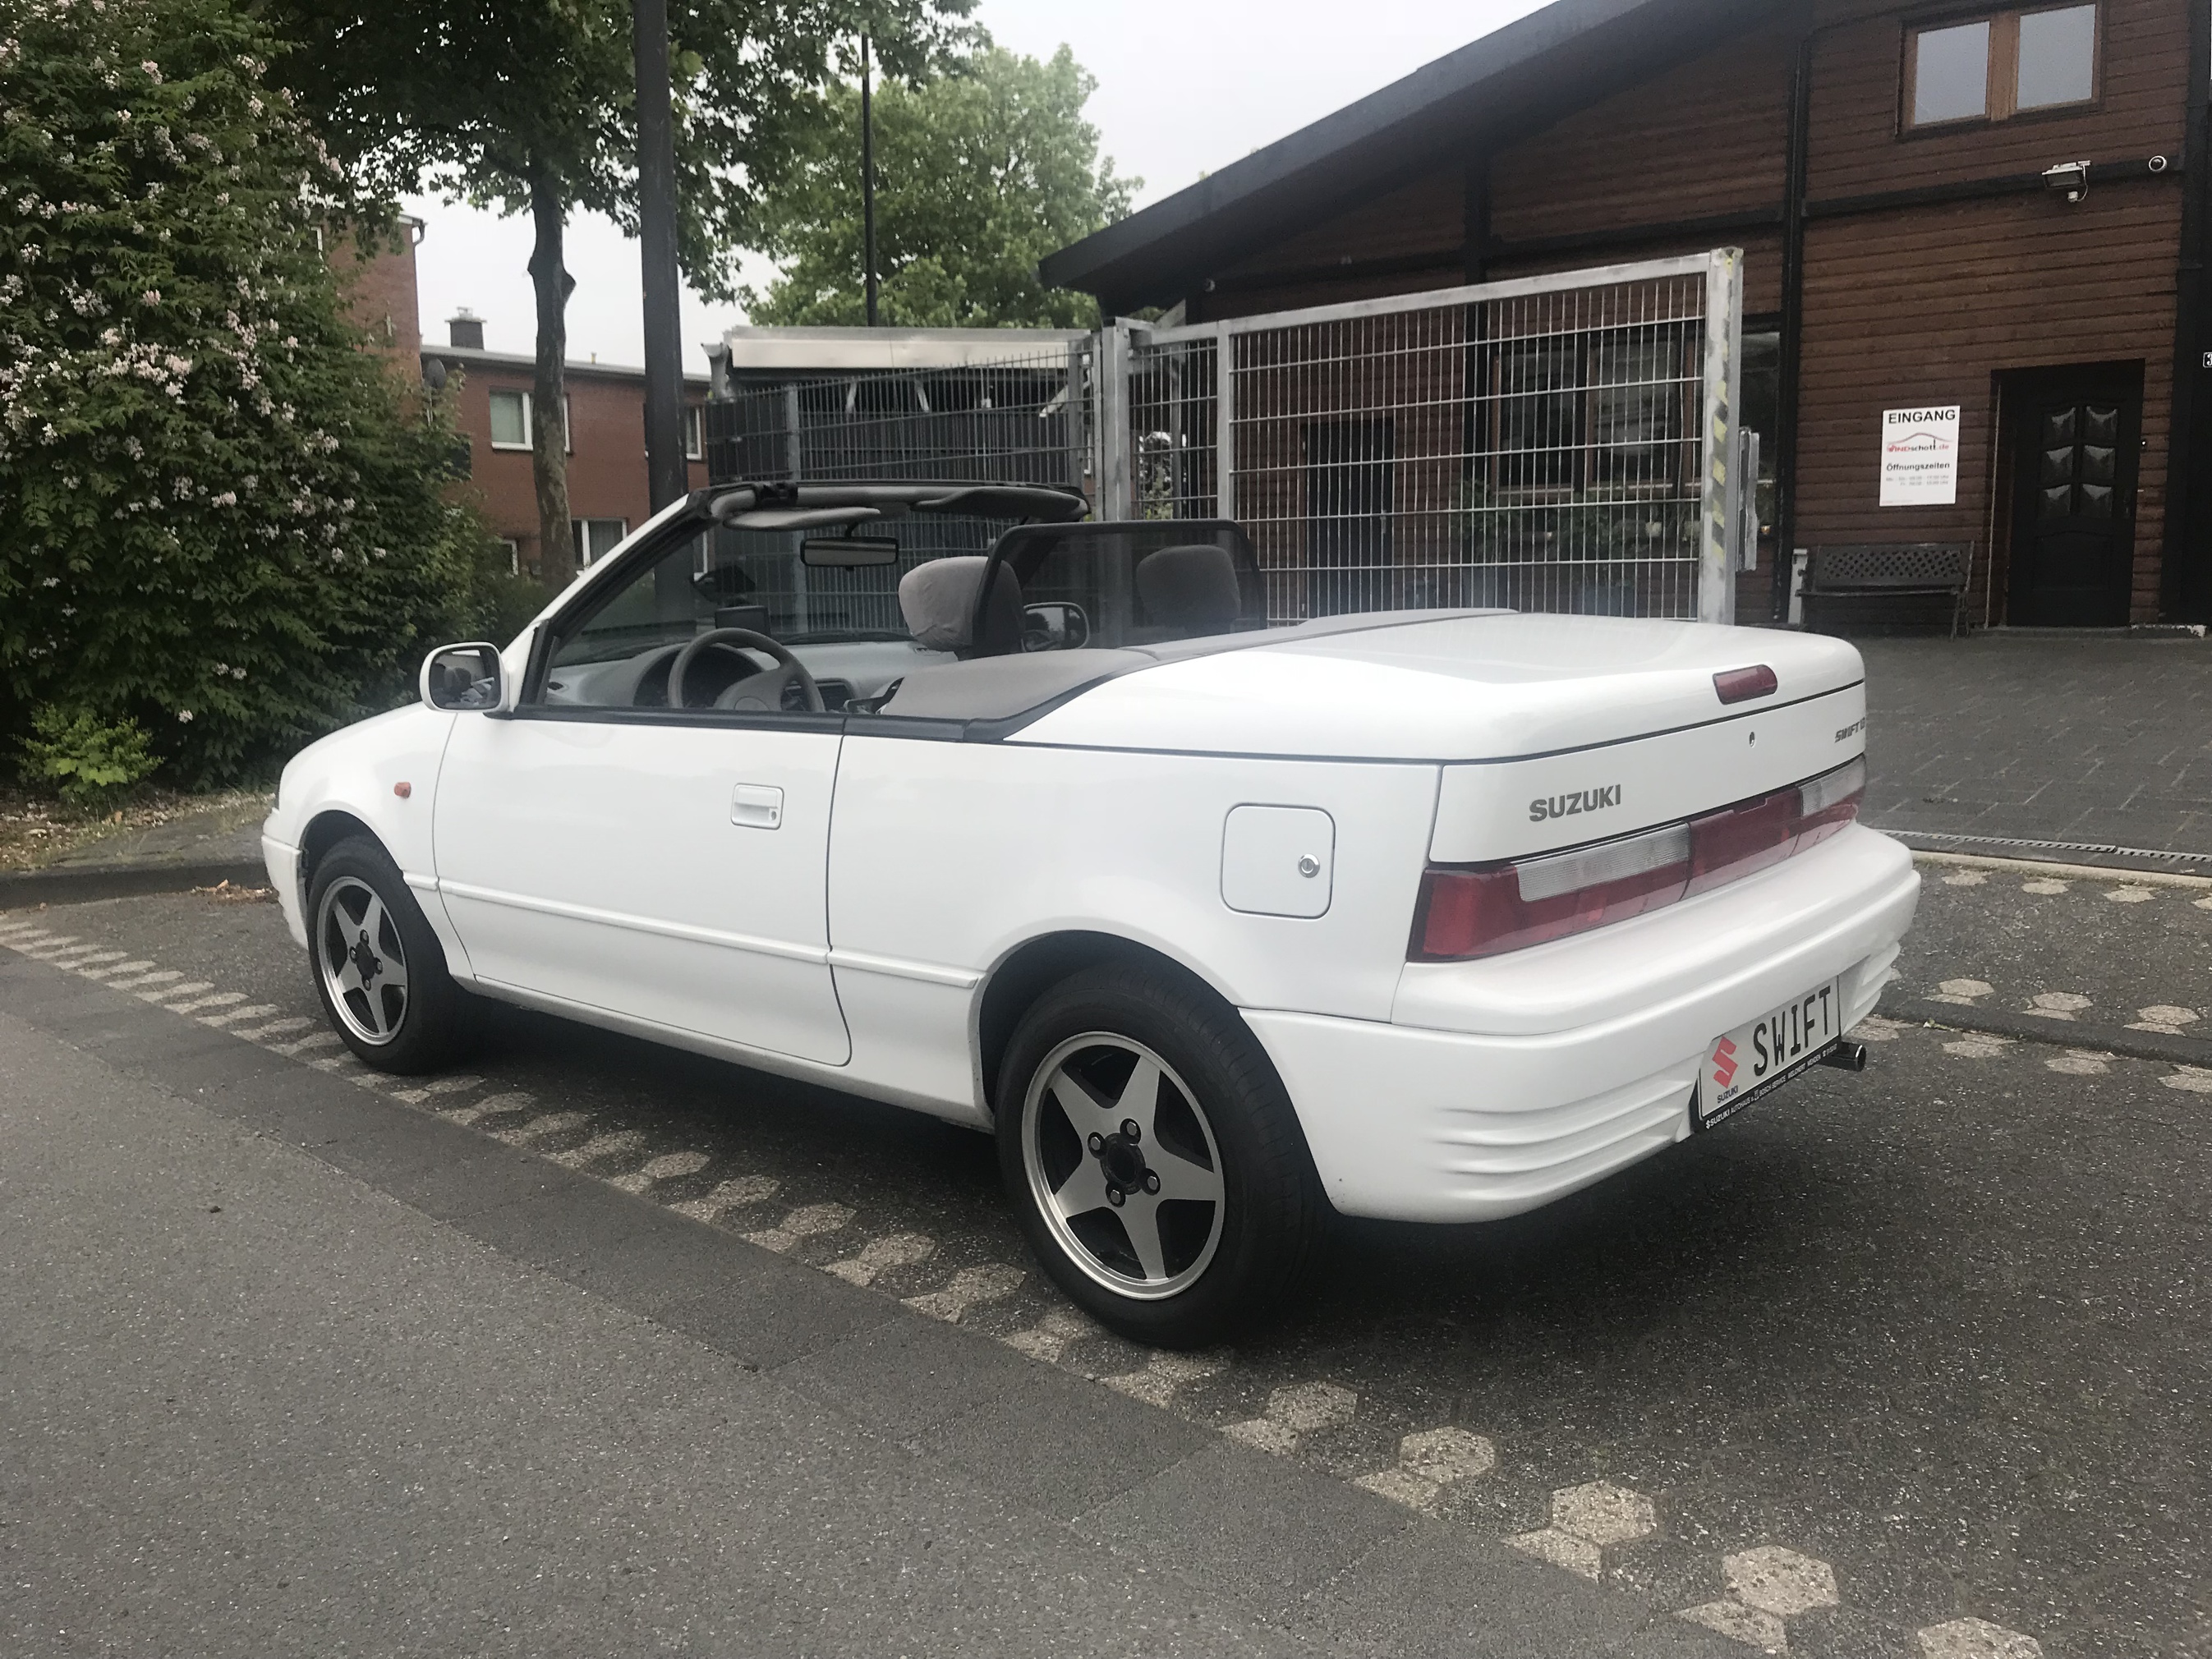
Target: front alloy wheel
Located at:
point(1123, 1165)
point(379, 970)
point(363, 960)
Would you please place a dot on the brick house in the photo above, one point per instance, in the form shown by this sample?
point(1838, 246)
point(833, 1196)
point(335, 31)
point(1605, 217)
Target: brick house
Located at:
point(491, 395)
point(1919, 236)
point(608, 496)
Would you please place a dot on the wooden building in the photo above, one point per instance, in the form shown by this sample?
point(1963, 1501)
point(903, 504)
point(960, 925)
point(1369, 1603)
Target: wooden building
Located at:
point(1996, 208)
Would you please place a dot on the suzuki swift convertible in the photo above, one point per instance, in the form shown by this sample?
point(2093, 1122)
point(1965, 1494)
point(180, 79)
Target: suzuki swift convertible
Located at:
point(936, 795)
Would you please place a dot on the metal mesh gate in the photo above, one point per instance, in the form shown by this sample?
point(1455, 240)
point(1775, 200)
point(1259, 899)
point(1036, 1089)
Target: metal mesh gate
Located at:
point(1558, 444)
point(1562, 443)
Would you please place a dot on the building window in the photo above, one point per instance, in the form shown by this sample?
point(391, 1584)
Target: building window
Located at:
point(597, 538)
point(2009, 63)
point(510, 420)
point(511, 427)
point(513, 546)
point(694, 443)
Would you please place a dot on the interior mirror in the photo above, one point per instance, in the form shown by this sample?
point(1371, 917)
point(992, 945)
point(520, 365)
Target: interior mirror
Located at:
point(1054, 628)
point(463, 676)
point(847, 552)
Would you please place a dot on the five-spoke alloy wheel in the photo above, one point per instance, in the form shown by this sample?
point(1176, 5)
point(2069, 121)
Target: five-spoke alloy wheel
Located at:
point(1123, 1165)
point(1153, 1156)
point(379, 969)
point(363, 960)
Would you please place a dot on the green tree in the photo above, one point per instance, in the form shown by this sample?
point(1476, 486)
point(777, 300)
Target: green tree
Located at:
point(530, 106)
point(981, 172)
point(222, 520)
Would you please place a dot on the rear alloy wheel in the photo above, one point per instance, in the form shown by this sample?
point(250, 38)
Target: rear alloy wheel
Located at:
point(1158, 1167)
point(379, 969)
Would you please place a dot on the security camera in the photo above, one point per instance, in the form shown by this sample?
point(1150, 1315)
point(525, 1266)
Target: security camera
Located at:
point(2070, 178)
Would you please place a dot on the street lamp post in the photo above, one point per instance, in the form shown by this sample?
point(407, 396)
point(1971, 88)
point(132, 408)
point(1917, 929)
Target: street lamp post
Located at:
point(867, 185)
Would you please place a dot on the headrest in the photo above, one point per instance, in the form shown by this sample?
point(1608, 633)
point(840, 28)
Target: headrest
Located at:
point(1191, 587)
point(937, 601)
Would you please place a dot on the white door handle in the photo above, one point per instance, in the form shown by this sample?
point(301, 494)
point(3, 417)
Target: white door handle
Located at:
point(757, 806)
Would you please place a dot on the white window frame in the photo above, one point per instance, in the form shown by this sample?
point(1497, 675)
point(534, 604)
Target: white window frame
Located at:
point(580, 533)
point(529, 421)
point(529, 427)
point(694, 432)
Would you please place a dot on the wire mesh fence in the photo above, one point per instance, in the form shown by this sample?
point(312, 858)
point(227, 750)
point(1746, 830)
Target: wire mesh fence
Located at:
point(1558, 443)
point(1539, 445)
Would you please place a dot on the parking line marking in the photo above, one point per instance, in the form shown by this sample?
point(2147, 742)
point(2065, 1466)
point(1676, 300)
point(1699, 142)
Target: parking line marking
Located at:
point(729, 1195)
point(2078, 1062)
point(1058, 1329)
point(808, 1221)
point(232, 1016)
point(312, 1040)
point(892, 1250)
point(1976, 1638)
point(164, 993)
point(552, 1123)
point(1429, 1465)
point(971, 1287)
point(1164, 1377)
point(1293, 1413)
point(476, 1111)
point(280, 1027)
point(438, 1085)
point(136, 979)
point(1585, 1520)
point(615, 1143)
point(669, 1166)
point(1767, 1587)
point(110, 974)
point(220, 999)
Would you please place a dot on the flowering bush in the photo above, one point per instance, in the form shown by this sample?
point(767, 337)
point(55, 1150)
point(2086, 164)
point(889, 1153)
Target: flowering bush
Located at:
point(222, 518)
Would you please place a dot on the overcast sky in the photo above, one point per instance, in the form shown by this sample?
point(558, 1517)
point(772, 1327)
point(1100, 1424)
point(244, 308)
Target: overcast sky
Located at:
point(1185, 86)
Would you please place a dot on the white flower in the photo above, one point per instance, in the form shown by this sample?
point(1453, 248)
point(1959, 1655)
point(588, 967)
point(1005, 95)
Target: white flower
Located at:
point(184, 714)
point(153, 72)
point(152, 297)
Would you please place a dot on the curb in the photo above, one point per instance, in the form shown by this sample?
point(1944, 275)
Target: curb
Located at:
point(2104, 873)
point(2078, 855)
point(2056, 1033)
point(80, 885)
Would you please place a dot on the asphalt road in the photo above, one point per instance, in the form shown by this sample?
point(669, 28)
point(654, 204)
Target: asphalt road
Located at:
point(1913, 1363)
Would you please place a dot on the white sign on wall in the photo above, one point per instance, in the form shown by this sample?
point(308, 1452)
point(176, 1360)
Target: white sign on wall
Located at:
point(1920, 457)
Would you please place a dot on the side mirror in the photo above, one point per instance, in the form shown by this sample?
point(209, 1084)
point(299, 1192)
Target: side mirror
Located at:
point(1054, 628)
point(463, 676)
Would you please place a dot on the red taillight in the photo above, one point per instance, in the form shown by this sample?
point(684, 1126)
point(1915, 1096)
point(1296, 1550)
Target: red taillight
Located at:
point(1742, 684)
point(1465, 913)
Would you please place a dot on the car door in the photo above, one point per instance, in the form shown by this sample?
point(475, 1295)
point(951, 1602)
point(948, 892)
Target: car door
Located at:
point(669, 865)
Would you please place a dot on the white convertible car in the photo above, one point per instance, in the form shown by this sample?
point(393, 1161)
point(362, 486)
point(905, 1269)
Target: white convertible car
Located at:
point(1434, 915)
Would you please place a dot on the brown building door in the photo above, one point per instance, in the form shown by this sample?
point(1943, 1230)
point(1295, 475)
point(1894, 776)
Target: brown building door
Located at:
point(2075, 438)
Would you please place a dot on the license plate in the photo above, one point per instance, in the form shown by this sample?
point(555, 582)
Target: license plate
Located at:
point(1758, 1057)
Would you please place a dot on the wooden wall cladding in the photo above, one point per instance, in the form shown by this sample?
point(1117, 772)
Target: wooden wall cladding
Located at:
point(1705, 139)
point(1858, 148)
point(1934, 304)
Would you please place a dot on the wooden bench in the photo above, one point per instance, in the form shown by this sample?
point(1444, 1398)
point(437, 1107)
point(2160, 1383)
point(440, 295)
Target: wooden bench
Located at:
point(1897, 569)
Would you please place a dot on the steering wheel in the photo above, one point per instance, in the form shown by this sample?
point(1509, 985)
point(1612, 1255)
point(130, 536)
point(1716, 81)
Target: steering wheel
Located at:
point(763, 691)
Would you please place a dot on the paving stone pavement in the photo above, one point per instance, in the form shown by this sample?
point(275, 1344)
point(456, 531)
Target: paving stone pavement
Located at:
point(1808, 1381)
point(2100, 740)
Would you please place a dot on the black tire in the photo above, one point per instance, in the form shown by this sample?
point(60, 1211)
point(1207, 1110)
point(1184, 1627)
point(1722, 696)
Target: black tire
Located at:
point(1161, 1264)
point(406, 1016)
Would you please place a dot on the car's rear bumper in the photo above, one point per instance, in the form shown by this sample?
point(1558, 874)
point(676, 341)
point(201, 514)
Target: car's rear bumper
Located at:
point(1501, 1086)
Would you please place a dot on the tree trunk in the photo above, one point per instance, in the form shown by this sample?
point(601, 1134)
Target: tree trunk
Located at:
point(549, 403)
